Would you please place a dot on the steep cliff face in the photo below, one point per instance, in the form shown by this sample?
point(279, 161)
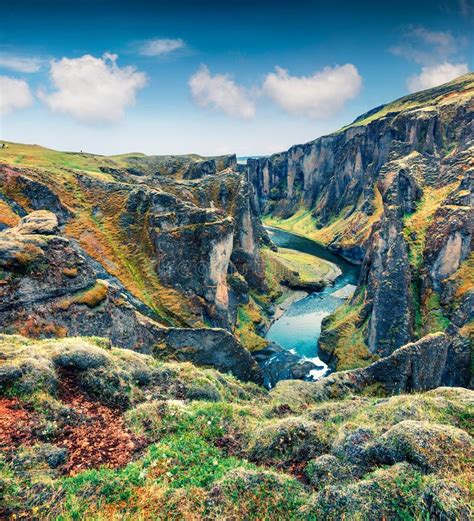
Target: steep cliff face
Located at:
point(170, 241)
point(392, 192)
point(50, 287)
point(173, 246)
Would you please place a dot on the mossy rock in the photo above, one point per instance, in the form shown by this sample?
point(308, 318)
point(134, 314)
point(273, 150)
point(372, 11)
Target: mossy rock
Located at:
point(255, 495)
point(393, 493)
point(45, 453)
point(430, 446)
point(287, 440)
point(328, 470)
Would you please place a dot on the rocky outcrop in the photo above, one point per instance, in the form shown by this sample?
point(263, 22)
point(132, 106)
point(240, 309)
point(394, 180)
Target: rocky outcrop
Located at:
point(278, 364)
point(208, 347)
point(200, 169)
point(50, 287)
point(38, 195)
point(171, 242)
point(189, 166)
point(433, 361)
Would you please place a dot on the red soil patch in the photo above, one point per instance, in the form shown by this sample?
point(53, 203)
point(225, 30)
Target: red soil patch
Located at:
point(101, 439)
point(298, 470)
point(15, 424)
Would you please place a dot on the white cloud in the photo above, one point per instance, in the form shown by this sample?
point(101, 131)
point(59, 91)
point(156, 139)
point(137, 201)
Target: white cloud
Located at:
point(159, 46)
point(435, 51)
point(14, 94)
point(20, 63)
point(427, 47)
point(92, 90)
point(434, 75)
point(220, 92)
point(318, 96)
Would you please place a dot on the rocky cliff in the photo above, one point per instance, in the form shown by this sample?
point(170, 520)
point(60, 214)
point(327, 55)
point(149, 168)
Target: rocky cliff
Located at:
point(177, 239)
point(119, 276)
point(392, 192)
point(91, 245)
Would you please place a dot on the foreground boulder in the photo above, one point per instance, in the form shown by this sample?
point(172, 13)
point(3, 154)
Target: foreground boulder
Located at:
point(208, 347)
point(430, 446)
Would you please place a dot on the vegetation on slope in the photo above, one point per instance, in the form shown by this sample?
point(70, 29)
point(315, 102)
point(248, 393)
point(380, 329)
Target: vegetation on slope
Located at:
point(40, 157)
point(196, 444)
point(251, 321)
point(351, 228)
point(460, 88)
point(343, 337)
point(300, 270)
point(416, 224)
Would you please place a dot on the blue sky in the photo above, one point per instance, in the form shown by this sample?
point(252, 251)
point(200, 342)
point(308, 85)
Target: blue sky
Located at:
point(215, 77)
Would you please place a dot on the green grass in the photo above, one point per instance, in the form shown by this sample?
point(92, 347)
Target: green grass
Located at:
point(415, 225)
point(230, 458)
point(460, 88)
point(249, 317)
point(435, 320)
point(346, 336)
point(309, 268)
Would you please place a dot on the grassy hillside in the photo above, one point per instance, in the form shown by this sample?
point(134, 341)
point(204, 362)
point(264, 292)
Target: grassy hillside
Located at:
point(93, 432)
point(458, 89)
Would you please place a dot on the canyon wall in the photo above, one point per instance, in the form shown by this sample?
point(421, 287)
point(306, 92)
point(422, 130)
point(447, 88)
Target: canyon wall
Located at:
point(130, 252)
point(393, 193)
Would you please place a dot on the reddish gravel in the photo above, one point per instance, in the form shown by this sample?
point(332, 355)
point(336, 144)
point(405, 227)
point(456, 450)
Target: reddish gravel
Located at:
point(98, 438)
point(16, 424)
point(101, 439)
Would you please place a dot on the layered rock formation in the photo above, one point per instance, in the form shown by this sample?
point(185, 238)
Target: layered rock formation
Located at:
point(126, 259)
point(171, 242)
point(392, 192)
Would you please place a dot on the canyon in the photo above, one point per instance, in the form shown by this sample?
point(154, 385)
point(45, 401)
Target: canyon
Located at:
point(149, 284)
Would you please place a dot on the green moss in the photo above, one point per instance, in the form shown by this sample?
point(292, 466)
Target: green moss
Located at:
point(435, 319)
point(415, 225)
point(344, 335)
point(238, 456)
point(249, 317)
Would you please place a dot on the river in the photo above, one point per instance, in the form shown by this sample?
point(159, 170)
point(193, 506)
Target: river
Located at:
point(298, 329)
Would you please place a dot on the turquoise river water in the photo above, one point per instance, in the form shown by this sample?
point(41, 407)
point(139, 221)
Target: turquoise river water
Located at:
point(298, 329)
